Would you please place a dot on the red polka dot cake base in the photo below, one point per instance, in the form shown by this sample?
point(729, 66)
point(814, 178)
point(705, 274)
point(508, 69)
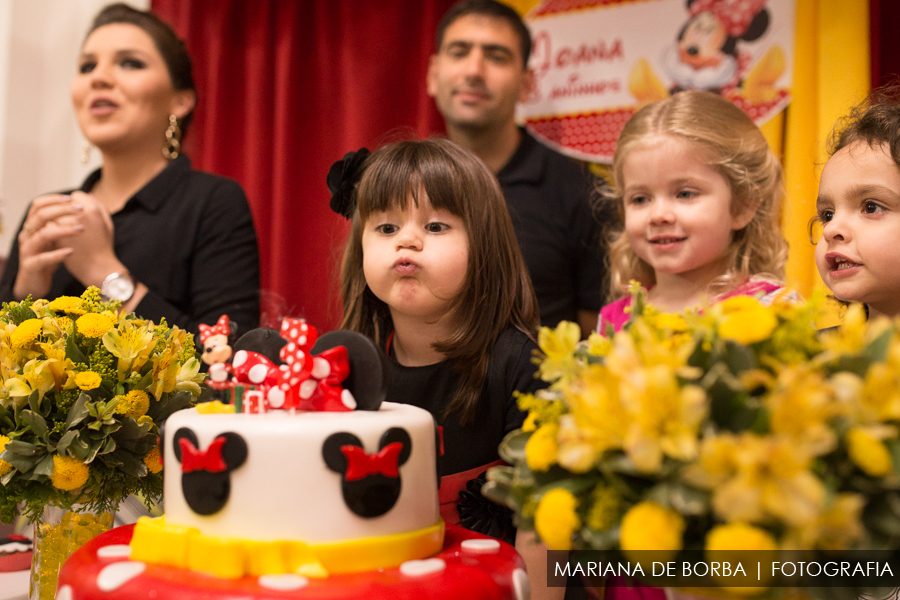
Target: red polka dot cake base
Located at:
point(469, 566)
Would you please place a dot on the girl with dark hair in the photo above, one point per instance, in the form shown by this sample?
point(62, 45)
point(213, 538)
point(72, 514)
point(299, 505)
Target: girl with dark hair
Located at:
point(167, 241)
point(432, 272)
point(858, 209)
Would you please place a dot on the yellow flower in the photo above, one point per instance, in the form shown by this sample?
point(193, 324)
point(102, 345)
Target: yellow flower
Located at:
point(801, 406)
point(649, 526)
point(5, 467)
point(868, 453)
point(839, 527)
point(153, 460)
point(738, 536)
point(26, 333)
point(68, 304)
point(134, 404)
point(558, 345)
point(745, 320)
point(530, 422)
point(555, 518)
point(88, 380)
point(604, 511)
point(540, 451)
point(739, 542)
point(93, 325)
point(144, 419)
point(69, 473)
point(131, 344)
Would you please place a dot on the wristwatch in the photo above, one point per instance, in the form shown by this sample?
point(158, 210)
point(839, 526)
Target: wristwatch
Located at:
point(117, 286)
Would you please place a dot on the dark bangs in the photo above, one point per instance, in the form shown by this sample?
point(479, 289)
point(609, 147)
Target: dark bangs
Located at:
point(399, 172)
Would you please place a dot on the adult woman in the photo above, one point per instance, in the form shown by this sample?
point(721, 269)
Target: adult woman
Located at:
point(167, 241)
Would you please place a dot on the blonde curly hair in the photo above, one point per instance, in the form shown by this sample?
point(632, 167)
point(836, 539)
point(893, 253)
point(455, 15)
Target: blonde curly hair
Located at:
point(734, 145)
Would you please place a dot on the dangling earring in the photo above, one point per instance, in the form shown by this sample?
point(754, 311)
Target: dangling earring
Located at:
point(173, 139)
point(85, 152)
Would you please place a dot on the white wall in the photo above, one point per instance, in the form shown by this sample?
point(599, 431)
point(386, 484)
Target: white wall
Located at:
point(40, 144)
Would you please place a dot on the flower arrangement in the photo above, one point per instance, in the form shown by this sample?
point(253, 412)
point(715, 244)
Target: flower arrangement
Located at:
point(737, 428)
point(83, 392)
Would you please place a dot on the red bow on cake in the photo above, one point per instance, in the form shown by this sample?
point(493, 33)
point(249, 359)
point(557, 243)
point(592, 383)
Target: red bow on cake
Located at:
point(209, 460)
point(360, 464)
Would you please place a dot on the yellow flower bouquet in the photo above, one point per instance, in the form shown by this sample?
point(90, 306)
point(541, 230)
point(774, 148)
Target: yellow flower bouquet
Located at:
point(83, 392)
point(738, 428)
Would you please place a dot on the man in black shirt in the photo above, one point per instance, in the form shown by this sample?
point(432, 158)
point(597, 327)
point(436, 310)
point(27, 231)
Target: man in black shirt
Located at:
point(477, 75)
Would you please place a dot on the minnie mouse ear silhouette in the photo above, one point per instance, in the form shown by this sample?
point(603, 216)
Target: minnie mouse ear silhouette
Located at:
point(262, 340)
point(370, 369)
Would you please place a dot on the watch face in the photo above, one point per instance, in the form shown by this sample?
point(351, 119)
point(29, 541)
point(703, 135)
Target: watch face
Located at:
point(118, 288)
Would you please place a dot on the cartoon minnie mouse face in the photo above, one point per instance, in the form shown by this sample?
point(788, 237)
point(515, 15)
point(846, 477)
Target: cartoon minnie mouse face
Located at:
point(370, 483)
point(206, 474)
point(701, 41)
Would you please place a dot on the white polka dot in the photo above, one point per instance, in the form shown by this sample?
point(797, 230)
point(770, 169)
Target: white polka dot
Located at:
point(321, 368)
point(239, 358)
point(348, 400)
point(300, 354)
point(116, 575)
point(64, 593)
point(302, 340)
point(291, 347)
point(521, 585)
point(296, 367)
point(307, 388)
point(418, 568)
point(294, 381)
point(283, 367)
point(257, 373)
point(480, 545)
point(276, 398)
point(283, 583)
point(293, 334)
point(116, 551)
point(284, 387)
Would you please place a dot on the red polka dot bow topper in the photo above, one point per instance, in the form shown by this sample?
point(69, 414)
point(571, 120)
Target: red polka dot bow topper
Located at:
point(735, 15)
point(222, 327)
point(305, 381)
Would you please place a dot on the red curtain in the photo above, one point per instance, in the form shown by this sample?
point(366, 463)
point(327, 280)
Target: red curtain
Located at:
point(285, 88)
point(884, 16)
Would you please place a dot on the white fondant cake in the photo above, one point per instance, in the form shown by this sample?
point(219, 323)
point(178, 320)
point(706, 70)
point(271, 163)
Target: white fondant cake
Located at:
point(285, 490)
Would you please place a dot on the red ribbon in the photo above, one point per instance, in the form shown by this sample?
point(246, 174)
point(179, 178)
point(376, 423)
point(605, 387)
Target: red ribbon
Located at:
point(360, 464)
point(209, 460)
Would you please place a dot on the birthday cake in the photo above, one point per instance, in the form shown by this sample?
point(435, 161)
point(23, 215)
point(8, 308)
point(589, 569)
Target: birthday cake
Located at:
point(298, 503)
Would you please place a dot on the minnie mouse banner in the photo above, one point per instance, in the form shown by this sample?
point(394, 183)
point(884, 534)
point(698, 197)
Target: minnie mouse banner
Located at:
point(596, 62)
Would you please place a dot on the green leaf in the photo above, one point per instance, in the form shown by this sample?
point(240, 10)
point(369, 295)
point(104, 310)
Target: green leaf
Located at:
point(78, 412)
point(877, 348)
point(883, 515)
point(36, 423)
point(108, 446)
point(131, 465)
point(65, 440)
point(8, 477)
point(601, 540)
point(79, 448)
point(144, 383)
point(173, 403)
point(576, 486)
point(45, 466)
point(73, 352)
point(512, 448)
point(94, 449)
point(23, 463)
point(739, 357)
point(502, 476)
point(34, 402)
point(21, 448)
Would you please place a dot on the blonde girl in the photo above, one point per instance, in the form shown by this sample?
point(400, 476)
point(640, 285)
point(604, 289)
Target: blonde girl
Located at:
point(699, 195)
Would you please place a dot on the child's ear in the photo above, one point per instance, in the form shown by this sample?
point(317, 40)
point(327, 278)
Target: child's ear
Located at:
point(743, 218)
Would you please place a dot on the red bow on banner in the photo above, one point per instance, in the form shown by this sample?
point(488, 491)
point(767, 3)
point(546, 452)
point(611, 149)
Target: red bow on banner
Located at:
point(222, 327)
point(360, 464)
point(209, 460)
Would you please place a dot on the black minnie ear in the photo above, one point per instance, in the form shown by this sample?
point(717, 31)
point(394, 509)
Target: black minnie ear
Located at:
point(183, 433)
point(370, 370)
point(342, 179)
point(757, 26)
point(331, 450)
point(397, 434)
point(234, 450)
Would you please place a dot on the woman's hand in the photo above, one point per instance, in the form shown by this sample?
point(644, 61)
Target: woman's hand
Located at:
point(51, 223)
point(92, 255)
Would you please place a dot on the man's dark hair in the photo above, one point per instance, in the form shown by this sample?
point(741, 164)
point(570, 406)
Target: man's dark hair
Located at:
point(487, 8)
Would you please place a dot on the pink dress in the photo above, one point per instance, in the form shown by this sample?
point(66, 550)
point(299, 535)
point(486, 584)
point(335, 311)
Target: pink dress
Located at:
point(615, 313)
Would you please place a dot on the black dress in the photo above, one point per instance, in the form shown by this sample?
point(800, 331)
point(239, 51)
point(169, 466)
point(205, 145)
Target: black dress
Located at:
point(189, 237)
